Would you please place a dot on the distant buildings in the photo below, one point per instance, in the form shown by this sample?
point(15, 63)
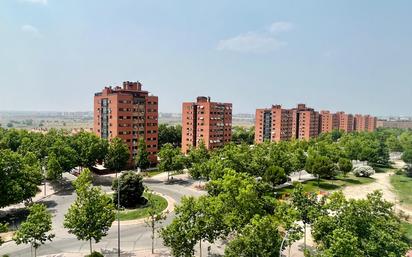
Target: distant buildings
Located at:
point(395, 123)
point(277, 124)
point(129, 113)
point(203, 120)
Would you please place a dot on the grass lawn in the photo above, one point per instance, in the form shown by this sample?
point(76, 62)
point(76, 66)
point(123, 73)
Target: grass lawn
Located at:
point(403, 188)
point(330, 184)
point(408, 229)
point(383, 169)
point(142, 212)
point(151, 173)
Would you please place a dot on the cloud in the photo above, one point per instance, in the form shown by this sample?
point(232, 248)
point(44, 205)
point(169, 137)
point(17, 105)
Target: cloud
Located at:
point(280, 26)
point(43, 2)
point(30, 30)
point(250, 43)
point(256, 41)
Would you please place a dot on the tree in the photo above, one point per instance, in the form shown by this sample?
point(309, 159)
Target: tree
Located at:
point(196, 220)
point(117, 155)
point(54, 170)
point(142, 157)
point(364, 227)
point(321, 166)
point(260, 238)
point(19, 178)
point(92, 213)
point(171, 159)
point(131, 189)
point(169, 134)
point(243, 135)
point(275, 175)
point(90, 148)
point(407, 156)
point(34, 230)
point(307, 206)
point(345, 165)
point(153, 216)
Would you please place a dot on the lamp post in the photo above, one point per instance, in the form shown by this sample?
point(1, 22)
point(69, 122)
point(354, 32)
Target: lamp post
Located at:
point(118, 214)
point(283, 241)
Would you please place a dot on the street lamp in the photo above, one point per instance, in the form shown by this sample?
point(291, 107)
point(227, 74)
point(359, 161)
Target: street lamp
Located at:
point(283, 241)
point(118, 214)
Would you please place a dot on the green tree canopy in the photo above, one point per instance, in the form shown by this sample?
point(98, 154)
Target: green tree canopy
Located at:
point(20, 178)
point(117, 155)
point(34, 230)
point(91, 215)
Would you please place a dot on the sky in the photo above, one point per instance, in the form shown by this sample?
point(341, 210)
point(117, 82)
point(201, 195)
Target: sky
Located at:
point(354, 56)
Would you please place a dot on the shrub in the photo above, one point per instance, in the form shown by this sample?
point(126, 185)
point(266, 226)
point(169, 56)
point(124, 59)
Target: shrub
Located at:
point(363, 171)
point(408, 170)
point(95, 254)
point(131, 190)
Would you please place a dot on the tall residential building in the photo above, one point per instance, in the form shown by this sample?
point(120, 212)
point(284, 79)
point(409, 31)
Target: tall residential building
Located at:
point(305, 123)
point(346, 121)
point(273, 124)
point(328, 121)
point(365, 123)
point(129, 113)
point(203, 120)
point(276, 124)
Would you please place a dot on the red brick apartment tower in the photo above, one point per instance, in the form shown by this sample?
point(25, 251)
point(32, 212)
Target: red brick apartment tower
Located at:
point(365, 123)
point(273, 124)
point(346, 121)
point(130, 113)
point(372, 123)
point(361, 123)
point(305, 123)
point(325, 122)
point(206, 121)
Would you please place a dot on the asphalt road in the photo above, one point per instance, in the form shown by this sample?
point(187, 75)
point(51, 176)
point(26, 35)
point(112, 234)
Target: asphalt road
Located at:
point(133, 237)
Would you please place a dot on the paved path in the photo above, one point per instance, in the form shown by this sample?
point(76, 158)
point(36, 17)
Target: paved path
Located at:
point(135, 237)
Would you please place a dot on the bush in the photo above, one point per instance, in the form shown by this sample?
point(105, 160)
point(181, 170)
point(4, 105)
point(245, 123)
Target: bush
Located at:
point(95, 254)
point(408, 170)
point(131, 190)
point(363, 171)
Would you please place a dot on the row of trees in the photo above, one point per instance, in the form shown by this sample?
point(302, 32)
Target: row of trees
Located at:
point(324, 157)
point(23, 154)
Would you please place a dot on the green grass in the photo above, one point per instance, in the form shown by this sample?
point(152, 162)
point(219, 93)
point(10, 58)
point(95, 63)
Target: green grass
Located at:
point(142, 212)
point(151, 173)
point(403, 188)
point(383, 169)
point(329, 184)
point(408, 229)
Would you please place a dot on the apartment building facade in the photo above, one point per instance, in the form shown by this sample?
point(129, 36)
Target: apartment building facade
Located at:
point(273, 124)
point(305, 123)
point(130, 113)
point(277, 124)
point(365, 123)
point(206, 121)
point(346, 121)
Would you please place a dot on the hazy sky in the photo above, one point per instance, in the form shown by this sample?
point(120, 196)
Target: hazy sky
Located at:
point(346, 55)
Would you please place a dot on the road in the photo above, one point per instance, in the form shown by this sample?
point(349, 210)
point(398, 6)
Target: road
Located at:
point(133, 237)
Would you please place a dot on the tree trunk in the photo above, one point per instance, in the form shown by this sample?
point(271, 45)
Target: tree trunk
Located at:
point(91, 250)
point(290, 246)
point(35, 251)
point(304, 236)
point(153, 234)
